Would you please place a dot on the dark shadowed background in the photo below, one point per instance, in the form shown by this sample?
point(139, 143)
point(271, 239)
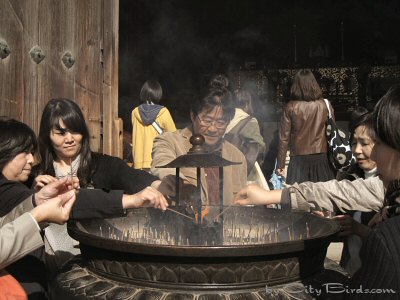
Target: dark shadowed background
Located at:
point(182, 43)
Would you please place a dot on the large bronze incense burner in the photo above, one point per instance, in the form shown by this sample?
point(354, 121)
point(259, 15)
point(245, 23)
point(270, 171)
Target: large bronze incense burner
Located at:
point(159, 255)
point(233, 252)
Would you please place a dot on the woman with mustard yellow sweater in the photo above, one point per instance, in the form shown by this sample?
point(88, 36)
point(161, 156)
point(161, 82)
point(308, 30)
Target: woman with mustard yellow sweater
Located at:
point(149, 119)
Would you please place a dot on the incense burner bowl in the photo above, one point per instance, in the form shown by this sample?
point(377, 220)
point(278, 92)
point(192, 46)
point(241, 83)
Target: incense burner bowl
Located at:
point(241, 254)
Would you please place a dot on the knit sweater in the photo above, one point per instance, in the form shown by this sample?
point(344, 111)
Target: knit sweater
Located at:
point(380, 256)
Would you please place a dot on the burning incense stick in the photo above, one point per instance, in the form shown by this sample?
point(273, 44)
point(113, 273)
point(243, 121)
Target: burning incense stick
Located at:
point(72, 174)
point(177, 212)
point(217, 216)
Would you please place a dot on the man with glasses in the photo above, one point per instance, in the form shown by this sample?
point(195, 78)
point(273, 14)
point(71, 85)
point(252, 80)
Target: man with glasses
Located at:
point(210, 113)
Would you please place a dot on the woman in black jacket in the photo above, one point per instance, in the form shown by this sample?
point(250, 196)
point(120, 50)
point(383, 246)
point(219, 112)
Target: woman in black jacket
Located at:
point(64, 147)
point(107, 184)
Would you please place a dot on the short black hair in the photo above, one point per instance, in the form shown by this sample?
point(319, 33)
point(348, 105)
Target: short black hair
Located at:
point(211, 97)
point(361, 117)
point(15, 138)
point(151, 92)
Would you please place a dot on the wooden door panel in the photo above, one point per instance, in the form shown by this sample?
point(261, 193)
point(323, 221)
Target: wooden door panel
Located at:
point(88, 85)
point(57, 27)
point(11, 75)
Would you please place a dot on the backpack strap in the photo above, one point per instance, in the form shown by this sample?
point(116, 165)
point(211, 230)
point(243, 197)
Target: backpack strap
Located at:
point(157, 127)
point(233, 135)
point(242, 123)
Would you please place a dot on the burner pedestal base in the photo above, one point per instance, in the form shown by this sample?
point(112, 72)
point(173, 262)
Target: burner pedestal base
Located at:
point(78, 282)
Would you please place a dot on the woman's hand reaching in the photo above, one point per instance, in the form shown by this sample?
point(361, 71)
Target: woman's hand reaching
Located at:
point(54, 201)
point(379, 217)
point(255, 195)
point(54, 188)
point(41, 181)
point(146, 197)
point(56, 209)
point(279, 172)
point(349, 226)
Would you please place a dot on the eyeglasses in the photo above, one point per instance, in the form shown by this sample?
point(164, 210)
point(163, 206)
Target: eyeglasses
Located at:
point(220, 124)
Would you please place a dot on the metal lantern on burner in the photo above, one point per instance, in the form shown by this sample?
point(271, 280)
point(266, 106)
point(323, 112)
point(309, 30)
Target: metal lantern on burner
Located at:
point(198, 158)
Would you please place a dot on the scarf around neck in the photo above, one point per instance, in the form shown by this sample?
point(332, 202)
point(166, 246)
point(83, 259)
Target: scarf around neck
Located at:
point(73, 171)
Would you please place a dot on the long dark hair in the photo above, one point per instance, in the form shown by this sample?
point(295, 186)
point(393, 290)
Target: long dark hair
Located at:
point(386, 117)
point(244, 101)
point(15, 138)
point(70, 113)
point(305, 87)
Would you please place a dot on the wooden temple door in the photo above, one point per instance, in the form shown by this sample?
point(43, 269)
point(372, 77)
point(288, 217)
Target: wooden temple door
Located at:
point(62, 49)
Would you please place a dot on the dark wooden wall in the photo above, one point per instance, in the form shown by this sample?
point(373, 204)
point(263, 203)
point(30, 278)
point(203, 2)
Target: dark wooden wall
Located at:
point(88, 30)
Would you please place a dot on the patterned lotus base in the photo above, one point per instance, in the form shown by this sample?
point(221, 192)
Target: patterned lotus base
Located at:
point(77, 282)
